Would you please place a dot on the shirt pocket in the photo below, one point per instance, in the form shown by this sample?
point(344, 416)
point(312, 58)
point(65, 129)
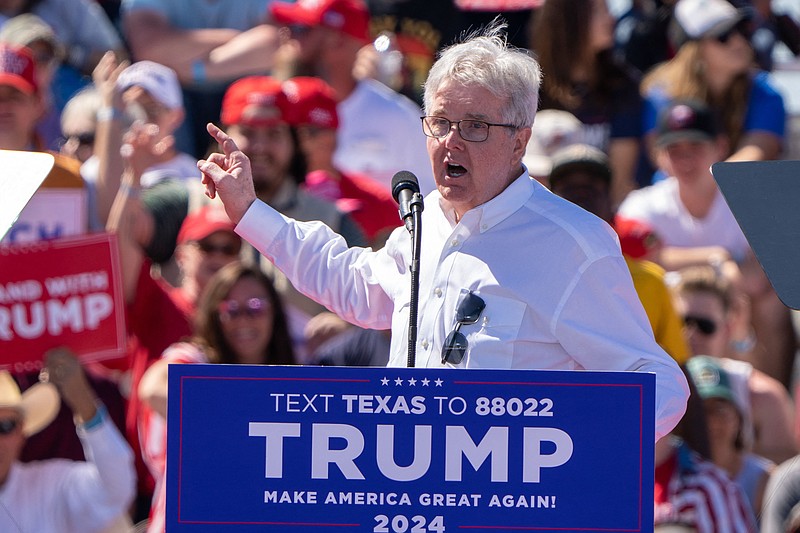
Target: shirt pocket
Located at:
point(492, 339)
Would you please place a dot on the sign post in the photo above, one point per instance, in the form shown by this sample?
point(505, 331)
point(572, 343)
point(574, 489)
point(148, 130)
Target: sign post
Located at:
point(408, 450)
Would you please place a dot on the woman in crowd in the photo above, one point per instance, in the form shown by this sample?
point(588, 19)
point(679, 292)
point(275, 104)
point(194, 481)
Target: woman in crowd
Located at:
point(714, 64)
point(239, 320)
point(573, 41)
point(725, 416)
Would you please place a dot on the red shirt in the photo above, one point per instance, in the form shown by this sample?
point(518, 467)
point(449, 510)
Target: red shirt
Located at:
point(368, 202)
point(158, 317)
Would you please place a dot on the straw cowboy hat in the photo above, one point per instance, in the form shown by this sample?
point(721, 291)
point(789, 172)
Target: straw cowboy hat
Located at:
point(39, 404)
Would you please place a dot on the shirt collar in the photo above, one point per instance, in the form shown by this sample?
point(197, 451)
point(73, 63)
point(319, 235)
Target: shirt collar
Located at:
point(491, 213)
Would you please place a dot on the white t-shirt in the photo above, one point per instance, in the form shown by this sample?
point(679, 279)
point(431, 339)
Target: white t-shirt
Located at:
point(380, 133)
point(660, 206)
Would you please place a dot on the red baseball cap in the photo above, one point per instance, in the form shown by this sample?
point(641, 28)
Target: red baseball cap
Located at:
point(255, 101)
point(636, 238)
point(347, 16)
point(17, 68)
point(312, 102)
point(203, 222)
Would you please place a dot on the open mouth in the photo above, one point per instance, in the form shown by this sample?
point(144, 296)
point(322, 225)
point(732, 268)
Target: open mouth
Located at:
point(455, 171)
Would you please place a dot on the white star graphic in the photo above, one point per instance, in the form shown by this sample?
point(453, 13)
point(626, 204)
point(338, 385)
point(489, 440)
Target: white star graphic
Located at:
point(425, 382)
point(412, 382)
point(438, 382)
point(398, 382)
point(385, 381)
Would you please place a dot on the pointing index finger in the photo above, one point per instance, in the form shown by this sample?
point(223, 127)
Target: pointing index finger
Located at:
point(224, 140)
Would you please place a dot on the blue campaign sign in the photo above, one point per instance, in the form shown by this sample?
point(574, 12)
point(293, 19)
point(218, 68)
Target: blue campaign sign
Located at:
point(395, 450)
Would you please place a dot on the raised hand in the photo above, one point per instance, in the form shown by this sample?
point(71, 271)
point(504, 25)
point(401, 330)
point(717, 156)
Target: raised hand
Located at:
point(228, 175)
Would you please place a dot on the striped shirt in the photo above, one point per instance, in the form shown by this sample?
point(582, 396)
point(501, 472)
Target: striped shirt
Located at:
point(702, 495)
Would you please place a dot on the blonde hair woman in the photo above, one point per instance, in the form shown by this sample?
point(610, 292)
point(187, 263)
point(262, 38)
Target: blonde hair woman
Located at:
point(715, 65)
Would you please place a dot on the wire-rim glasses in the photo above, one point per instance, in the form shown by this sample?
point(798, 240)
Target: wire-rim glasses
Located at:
point(470, 130)
point(469, 309)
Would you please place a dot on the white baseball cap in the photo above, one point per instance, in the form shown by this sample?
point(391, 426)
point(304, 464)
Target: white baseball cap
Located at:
point(706, 18)
point(158, 80)
point(552, 130)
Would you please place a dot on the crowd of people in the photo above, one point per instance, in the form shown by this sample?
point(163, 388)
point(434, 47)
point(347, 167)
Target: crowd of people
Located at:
point(271, 235)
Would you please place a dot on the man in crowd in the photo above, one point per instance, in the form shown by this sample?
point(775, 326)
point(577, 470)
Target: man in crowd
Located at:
point(21, 106)
point(688, 212)
point(255, 113)
point(379, 128)
point(554, 288)
point(59, 495)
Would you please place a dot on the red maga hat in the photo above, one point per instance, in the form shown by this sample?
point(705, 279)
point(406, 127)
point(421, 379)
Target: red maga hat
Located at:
point(312, 102)
point(17, 68)
point(254, 100)
point(347, 16)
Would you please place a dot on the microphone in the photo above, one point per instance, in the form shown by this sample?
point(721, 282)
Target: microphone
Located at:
point(405, 190)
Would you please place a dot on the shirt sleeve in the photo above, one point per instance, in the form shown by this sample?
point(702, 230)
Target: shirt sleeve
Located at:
point(102, 488)
point(355, 283)
point(765, 111)
point(603, 325)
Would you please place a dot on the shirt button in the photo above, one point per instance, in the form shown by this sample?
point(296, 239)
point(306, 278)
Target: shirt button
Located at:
point(454, 242)
point(484, 226)
point(438, 292)
point(425, 344)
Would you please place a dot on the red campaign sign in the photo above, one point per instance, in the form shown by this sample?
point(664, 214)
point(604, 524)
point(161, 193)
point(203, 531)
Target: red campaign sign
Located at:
point(65, 292)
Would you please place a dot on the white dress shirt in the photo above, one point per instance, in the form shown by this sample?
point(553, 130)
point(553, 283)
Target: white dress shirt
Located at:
point(558, 292)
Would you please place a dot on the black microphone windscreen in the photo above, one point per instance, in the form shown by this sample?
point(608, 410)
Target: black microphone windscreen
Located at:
point(404, 180)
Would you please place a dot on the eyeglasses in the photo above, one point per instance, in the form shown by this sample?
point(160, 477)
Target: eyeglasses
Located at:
point(470, 130)
point(230, 249)
point(469, 309)
point(9, 425)
point(704, 325)
point(230, 310)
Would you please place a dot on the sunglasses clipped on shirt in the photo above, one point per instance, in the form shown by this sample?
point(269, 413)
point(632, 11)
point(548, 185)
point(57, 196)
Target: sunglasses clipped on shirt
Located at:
point(468, 311)
point(704, 325)
point(253, 308)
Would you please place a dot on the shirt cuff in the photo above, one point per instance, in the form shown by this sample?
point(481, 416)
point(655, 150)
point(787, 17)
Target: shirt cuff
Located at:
point(260, 225)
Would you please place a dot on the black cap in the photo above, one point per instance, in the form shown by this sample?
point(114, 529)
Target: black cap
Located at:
point(580, 157)
point(685, 120)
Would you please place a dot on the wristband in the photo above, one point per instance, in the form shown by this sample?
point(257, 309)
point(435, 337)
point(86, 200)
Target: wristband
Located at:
point(106, 114)
point(97, 419)
point(129, 190)
point(745, 345)
point(198, 71)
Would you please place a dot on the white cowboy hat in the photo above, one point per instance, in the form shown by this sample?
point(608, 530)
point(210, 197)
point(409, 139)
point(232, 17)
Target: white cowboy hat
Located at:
point(39, 404)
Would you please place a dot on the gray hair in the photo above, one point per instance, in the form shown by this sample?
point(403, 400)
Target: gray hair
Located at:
point(486, 59)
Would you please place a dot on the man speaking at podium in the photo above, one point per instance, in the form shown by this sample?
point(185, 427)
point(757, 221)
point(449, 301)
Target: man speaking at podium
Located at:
point(510, 275)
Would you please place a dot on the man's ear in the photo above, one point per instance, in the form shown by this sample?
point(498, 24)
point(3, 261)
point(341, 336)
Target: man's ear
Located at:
point(521, 138)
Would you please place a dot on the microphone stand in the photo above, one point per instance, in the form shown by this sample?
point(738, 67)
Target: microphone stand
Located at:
point(416, 247)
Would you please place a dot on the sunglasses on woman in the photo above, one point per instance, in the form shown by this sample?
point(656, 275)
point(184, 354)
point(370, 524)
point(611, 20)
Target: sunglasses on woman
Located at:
point(253, 308)
point(704, 325)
